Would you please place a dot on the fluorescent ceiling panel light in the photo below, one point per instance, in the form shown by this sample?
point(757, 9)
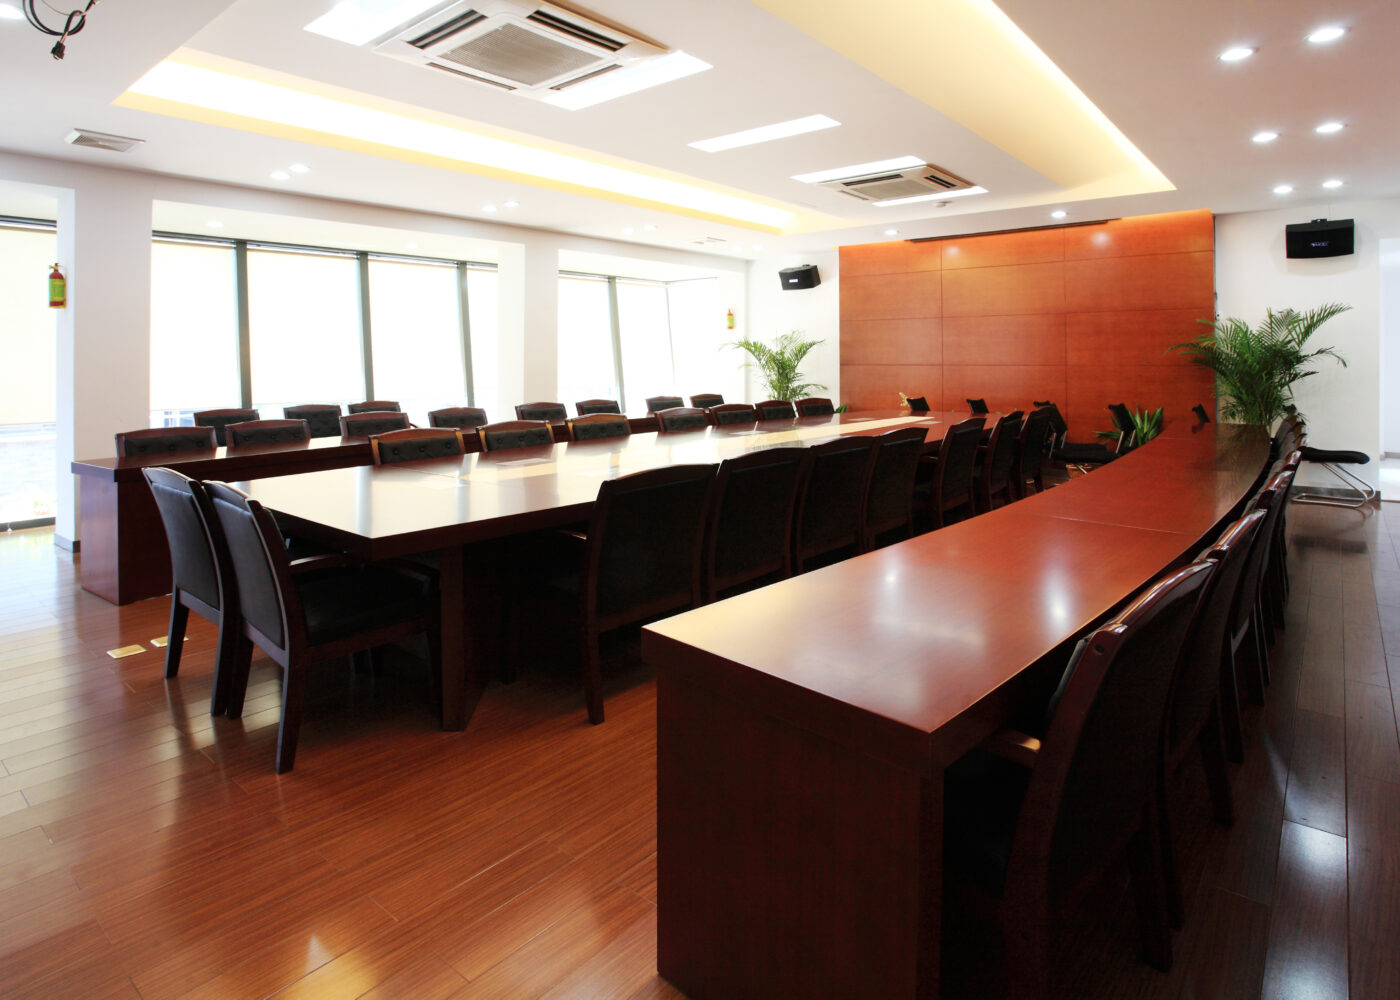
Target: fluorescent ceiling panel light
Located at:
point(1263, 137)
point(938, 196)
point(1330, 33)
point(361, 21)
point(8, 13)
point(641, 75)
point(218, 91)
point(766, 133)
point(1235, 54)
point(861, 169)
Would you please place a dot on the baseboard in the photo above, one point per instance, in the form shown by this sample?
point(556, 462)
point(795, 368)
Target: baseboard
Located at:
point(34, 522)
point(66, 543)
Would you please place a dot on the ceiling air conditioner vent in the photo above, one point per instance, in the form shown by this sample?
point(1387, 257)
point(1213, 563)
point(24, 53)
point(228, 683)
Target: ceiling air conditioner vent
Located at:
point(530, 47)
point(916, 182)
point(101, 140)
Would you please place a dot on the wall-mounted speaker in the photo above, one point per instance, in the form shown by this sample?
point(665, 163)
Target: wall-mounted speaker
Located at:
point(1321, 238)
point(803, 276)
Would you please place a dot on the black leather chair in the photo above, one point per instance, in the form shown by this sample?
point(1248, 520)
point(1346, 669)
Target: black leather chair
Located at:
point(682, 418)
point(949, 484)
point(1123, 423)
point(977, 406)
point(267, 432)
point(706, 400)
point(372, 422)
point(324, 418)
point(514, 434)
point(541, 411)
point(1070, 454)
point(995, 481)
point(586, 406)
point(457, 416)
point(1028, 469)
point(750, 527)
point(219, 419)
point(889, 499)
point(814, 406)
point(775, 409)
point(311, 610)
point(1358, 493)
point(165, 441)
point(917, 404)
point(598, 426)
point(413, 444)
point(655, 404)
point(375, 406)
point(830, 518)
point(197, 576)
point(733, 413)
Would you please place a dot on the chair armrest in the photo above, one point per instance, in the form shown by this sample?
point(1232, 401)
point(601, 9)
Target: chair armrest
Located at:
point(314, 564)
point(1017, 747)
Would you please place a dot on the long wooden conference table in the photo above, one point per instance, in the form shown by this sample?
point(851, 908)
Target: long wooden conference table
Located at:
point(463, 508)
point(803, 729)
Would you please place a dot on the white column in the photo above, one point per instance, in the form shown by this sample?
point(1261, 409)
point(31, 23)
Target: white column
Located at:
point(541, 322)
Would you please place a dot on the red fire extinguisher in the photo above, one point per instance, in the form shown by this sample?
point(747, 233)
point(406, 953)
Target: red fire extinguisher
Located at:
point(729, 320)
point(58, 289)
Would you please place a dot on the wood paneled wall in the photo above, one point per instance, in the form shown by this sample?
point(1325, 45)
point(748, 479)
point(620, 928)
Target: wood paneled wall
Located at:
point(1081, 315)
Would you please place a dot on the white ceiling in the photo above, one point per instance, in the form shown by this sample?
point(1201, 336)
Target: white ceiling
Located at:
point(1151, 68)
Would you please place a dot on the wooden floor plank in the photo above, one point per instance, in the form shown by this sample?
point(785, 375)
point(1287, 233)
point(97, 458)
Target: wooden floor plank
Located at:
point(1316, 795)
point(1307, 957)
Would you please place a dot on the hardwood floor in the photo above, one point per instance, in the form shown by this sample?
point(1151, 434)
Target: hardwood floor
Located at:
point(147, 850)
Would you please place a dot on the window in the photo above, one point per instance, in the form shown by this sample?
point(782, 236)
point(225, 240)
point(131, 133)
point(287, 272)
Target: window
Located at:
point(304, 326)
point(700, 338)
point(417, 336)
point(585, 340)
point(644, 329)
point(194, 331)
point(28, 376)
point(482, 284)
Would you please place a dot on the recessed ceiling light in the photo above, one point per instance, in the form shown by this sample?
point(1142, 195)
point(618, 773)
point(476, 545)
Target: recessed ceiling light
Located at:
point(216, 224)
point(627, 230)
point(1284, 189)
point(1327, 128)
point(765, 133)
point(299, 168)
point(511, 204)
point(860, 169)
point(8, 13)
point(410, 246)
point(281, 175)
point(641, 75)
point(1328, 33)
point(1059, 213)
point(1236, 53)
point(940, 196)
point(1263, 137)
point(488, 208)
point(757, 247)
point(891, 232)
point(649, 228)
point(1333, 183)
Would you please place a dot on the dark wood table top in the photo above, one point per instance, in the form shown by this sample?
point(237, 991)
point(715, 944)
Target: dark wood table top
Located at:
point(232, 463)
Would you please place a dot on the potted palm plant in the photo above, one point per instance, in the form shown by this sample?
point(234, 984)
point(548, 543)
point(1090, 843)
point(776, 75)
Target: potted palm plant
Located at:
point(779, 364)
point(1256, 367)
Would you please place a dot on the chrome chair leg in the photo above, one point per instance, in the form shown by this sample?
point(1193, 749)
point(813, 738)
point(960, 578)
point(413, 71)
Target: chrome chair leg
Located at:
point(1360, 492)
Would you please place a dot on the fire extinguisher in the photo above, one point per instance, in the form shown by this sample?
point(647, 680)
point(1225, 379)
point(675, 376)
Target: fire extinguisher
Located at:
point(729, 320)
point(58, 289)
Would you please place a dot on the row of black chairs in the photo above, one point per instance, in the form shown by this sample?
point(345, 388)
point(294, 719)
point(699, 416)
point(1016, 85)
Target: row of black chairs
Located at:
point(1035, 816)
point(707, 403)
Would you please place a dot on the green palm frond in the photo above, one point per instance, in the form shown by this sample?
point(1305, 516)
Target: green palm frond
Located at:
point(779, 365)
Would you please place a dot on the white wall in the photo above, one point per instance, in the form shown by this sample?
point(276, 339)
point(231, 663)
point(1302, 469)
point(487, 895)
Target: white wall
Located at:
point(1390, 346)
point(1342, 405)
point(774, 310)
point(103, 339)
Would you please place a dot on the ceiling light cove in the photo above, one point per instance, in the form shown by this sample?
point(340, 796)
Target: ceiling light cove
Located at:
point(1236, 53)
point(223, 97)
point(1059, 213)
point(1332, 184)
point(766, 133)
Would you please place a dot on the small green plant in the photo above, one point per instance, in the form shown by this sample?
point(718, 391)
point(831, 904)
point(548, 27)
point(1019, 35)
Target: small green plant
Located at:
point(779, 364)
point(842, 408)
point(1147, 424)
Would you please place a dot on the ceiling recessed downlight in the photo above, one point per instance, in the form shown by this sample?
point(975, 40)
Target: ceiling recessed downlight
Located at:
point(1332, 184)
point(650, 227)
point(1283, 189)
point(299, 168)
point(1235, 53)
point(214, 224)
point(628, 230)
point(281, 175)
point(1327, 128)
point(860, 169)
point(765, 133)
point(1262, 137)
point(891, 232)
point(1059, 213)
point(1327, 33)
point(510, 204)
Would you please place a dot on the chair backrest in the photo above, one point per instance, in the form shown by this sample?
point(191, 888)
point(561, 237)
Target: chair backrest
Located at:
point(324, 418)
point(372, 422)
point(775, 409)
point(644, 541)
point(541, 411)
point(507, 434)
point(814, 406)
point(706, 400)
point(595, 426)
point(957, 462)
point(750, 527)
point(457, 416)
point(1270, 500)
point(1201, 414)
point(655, 404)
point(977, 405)
point(1030, 449)
point(189, 521)
point(1199, 682)
point(917, 404)
point(733, 413)
point(219, 419)
point(1101, 757)
point(1059, 428)
point(682, 418)
point(1123, 420)
point(267, 432)
point(1001, 452)
point(889, 499)
point(165, 441)
point(267, 600)
point(414, 444)
point(586, 406)
point(831, 502)
point(375, 406)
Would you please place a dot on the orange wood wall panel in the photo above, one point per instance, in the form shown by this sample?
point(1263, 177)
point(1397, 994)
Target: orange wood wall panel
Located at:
point(1010, 290)
point(1034, 339)
point(1034, 247)
point(899, 257)
point(1081, 315)
point(892, 342)
point(891, 296)
point(1004, 387)
point(1140, 337)
point(877, 387)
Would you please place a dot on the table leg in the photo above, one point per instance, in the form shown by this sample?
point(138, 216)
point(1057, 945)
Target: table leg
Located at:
point(468, 581)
